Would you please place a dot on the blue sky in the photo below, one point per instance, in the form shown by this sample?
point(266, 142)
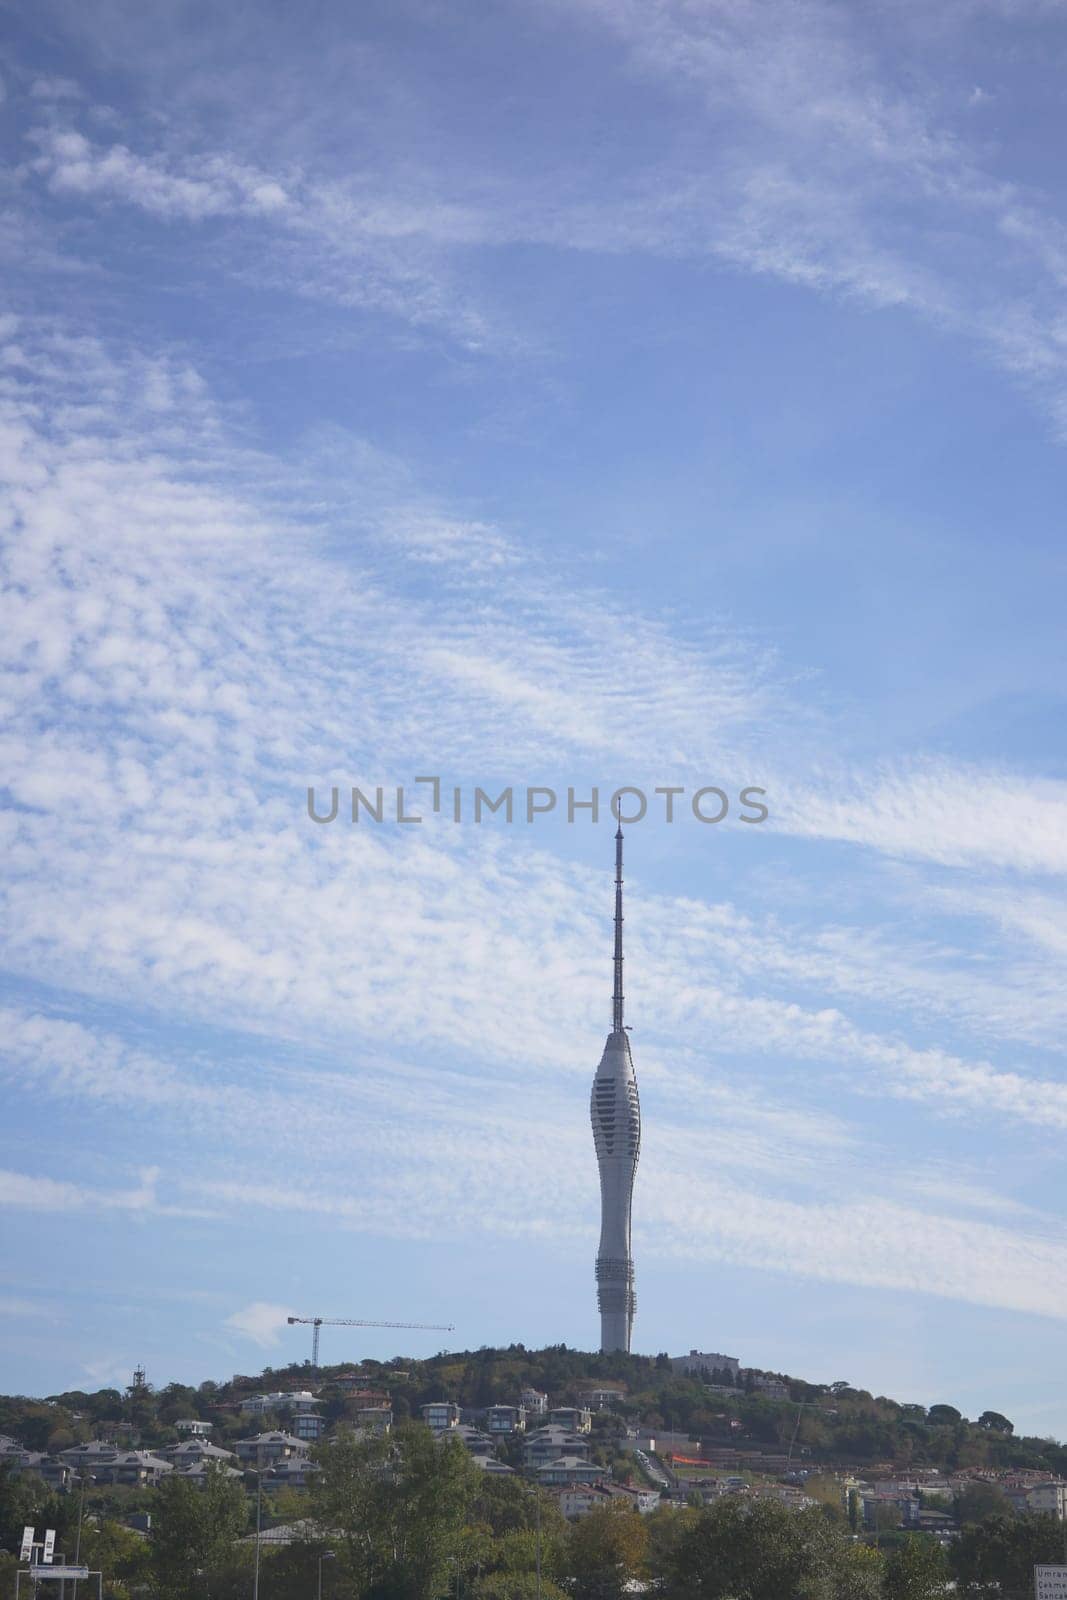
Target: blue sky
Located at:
point(592, 392)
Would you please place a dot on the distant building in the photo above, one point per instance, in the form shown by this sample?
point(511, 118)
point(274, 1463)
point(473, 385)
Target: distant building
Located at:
point(269, 1449)
point(296, 1472)
point(576, 1418)
point(198, 1472)
point(767, 1385)
point(137, 1469)
point(569, 1469)
point(308, 1425)
point(473, 1439)
point(578, 1499)
point(605, 1398)
point(88, 1457)
point(194, 1427)
point(533, 1402)
point(193, 1451)
point(373, 1418)
point(705, 1363)
point(295, 1401)
point(440, 1415)
point(1049, 1497)
point(548, 1444)
point(505, 1419)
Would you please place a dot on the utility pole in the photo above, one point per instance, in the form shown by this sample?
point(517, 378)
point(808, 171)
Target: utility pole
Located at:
point(259, 1524)
point(537, 1493)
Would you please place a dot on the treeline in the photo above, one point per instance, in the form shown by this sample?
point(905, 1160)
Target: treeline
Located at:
point(407, 1517)
point(837, 1422)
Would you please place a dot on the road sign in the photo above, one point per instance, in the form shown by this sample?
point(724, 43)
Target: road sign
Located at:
point(49, 1546)
point(41, 1573)
point(1050, 1583)
point(27, 1544)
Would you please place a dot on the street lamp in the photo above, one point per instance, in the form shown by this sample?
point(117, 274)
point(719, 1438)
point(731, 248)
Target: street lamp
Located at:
point(83, 1479)
point(259, 1471)
point(537, 1502)
point(327, 1555)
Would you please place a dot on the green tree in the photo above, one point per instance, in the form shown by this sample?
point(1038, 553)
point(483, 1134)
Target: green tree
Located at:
point(761, 1550)
point(194, 1529)
point(119, 1554)
point(400, 1506)
point(918, 1570)
point(26, 1498)
point(605, 1551)
point(980, 1500)
point(998, 1556)
point(996, 1421)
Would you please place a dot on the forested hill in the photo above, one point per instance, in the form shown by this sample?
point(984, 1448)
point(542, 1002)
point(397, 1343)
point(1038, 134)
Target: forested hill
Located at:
point(831, 1422)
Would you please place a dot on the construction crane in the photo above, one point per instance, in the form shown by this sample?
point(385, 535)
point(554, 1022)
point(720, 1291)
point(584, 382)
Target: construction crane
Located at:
point(356, 1322)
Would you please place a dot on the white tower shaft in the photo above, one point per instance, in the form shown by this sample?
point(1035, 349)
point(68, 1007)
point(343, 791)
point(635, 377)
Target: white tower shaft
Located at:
point(616, 1116)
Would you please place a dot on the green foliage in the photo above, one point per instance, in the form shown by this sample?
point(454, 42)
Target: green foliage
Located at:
point(193, 1530)
point(994, 1419)
point(980, 1500)
point(997, 1557)
point(400, 1507)
point(917, 1570)
point(839, 1423)
point(26, 1498)
point(605, 1551)
point(761, 1550)
point(122, 1556)
point(938, 1415)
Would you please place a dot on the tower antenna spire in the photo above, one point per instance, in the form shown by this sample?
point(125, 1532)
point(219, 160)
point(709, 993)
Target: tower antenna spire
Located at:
point(616, 1004)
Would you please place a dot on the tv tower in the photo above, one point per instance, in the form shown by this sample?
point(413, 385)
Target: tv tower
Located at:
point(616, 1115)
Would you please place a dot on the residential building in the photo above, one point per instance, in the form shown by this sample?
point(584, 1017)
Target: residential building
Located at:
point(505, 1419)
point(440, 1415)
point(194, 1427)
point(568, 1469)
point(496, 1468)
point(134, 1469)
point(705, 1363)
point(578, 1499)
point(576, 1419)
point(88, 1457)
point(767, 1385)
point(197, 1472)
point(477, 1442)
point(533, 1402)
point(14, 1459)
point(604, 1398)
point(269, 1449)
point(1049, 1497)
point(193, 1451)
point(548, 1444)
point(293, 1401)
point(295, 1472)
point(373, 1418)
point(308, 1425)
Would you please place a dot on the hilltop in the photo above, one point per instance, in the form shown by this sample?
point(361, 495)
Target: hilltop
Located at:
point(818, 1424)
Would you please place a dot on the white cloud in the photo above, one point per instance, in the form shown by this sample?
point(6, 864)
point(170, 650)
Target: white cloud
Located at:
point(26, 1191)
point(261, 1322)
point(217, 186)
point(945, 814)
point(185, 659)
